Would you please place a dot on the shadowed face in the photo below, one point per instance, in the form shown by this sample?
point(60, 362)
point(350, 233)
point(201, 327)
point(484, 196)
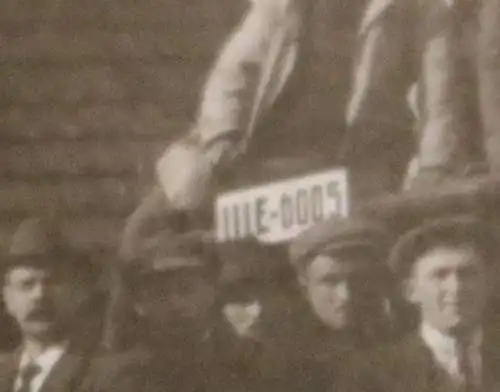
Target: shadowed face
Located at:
point(176, 302)
point(42, 299)
point(449, 284)
point(336, 288)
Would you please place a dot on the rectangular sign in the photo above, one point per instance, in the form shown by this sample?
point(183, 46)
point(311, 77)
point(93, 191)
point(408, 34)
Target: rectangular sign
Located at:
point(278, 211)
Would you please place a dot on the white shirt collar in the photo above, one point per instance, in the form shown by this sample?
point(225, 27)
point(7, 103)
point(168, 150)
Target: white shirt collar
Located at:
point(439, 342)
point(46, 361)
point(445, 349)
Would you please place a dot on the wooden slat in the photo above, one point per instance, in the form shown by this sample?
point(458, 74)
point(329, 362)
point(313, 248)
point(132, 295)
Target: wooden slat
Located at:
point(101, 122)
point(98, 12)
point(105, 45)
point(86, 232)
point(80, 158)
point(165, 83)
point(73, 196)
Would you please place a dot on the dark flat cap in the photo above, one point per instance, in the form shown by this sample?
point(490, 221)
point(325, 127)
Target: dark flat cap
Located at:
point(449, 230)
point(338, 234)
point(40, 241)
point(167, 252)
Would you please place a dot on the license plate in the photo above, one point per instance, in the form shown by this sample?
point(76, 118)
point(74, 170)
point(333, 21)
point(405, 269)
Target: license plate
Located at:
point(278, 211)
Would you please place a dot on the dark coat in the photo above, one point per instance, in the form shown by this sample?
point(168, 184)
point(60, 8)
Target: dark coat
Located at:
point(409, 366)
point(82, 369)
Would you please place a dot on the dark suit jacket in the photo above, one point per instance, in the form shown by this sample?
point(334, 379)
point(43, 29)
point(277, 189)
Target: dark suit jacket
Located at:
point(409, 366)
point(82, 369)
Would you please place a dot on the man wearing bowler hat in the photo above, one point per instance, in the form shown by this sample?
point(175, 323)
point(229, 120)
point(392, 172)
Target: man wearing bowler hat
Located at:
point(46, 284)
point(446, 269)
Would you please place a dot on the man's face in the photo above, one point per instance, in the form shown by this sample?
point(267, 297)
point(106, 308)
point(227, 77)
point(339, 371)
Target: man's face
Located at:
point(41, 299)
point(449, 284)
point(336, 288)
point(176, 302)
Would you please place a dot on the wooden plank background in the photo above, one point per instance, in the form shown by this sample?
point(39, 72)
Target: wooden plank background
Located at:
point(91, 91)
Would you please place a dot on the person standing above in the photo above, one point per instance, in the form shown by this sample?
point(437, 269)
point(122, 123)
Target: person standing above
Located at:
point(46, 284)
point(443, 51)
point(447, 269)
point(272, 106)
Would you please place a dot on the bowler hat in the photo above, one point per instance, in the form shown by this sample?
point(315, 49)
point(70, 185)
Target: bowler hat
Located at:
point(40, 242)
point(339, 234)
point(446, 230)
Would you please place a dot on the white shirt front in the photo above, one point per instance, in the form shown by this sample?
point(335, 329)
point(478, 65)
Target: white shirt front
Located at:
point(46, 361)
point(445, 351)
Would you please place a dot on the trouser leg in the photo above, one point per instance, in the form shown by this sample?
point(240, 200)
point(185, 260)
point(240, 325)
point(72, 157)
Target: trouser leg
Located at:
point(489, 79)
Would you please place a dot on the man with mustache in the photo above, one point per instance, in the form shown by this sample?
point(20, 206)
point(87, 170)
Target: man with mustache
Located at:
point(446, 267)
point(47, 285)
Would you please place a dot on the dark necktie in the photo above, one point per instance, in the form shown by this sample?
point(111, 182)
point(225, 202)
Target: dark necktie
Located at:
point(26, 376)
point(465, 369)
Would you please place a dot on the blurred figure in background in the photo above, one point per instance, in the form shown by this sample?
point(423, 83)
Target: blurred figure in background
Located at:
point(173, 283)
point(256, 303)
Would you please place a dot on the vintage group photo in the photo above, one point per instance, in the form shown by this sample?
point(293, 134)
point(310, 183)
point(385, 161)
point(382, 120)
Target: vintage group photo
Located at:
point(250, 195)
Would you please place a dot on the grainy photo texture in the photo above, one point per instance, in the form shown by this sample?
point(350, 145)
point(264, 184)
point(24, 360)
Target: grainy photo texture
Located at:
point(250, 195)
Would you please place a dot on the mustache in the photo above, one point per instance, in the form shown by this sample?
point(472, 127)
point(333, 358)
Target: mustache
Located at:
point(40, 313)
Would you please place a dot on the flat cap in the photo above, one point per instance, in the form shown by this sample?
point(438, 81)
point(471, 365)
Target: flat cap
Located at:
point(167, 252)
point(450, 229)
point(338, 234)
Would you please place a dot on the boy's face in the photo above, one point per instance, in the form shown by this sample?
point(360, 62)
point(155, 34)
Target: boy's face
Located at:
point(338, 287)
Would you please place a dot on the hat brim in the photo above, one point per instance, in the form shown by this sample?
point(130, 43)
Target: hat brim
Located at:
point(449, 230)
point(350, 245)
point(59, 259)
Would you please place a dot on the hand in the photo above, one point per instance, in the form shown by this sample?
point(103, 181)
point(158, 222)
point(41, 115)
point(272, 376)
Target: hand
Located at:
point(185, 173)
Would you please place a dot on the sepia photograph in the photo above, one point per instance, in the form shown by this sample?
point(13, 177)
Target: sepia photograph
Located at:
point(250, 195)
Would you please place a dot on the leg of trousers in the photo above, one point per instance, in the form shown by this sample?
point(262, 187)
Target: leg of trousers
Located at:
point(489, 79)
point(445, 84)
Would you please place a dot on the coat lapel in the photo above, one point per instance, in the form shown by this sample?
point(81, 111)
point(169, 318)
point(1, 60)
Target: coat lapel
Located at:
point(68, 372)
point(421, 366)
point(8, 370)
point(423, 372)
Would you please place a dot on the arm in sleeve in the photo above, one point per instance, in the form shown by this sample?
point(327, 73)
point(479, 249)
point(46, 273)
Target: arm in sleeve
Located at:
point(250, 72)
